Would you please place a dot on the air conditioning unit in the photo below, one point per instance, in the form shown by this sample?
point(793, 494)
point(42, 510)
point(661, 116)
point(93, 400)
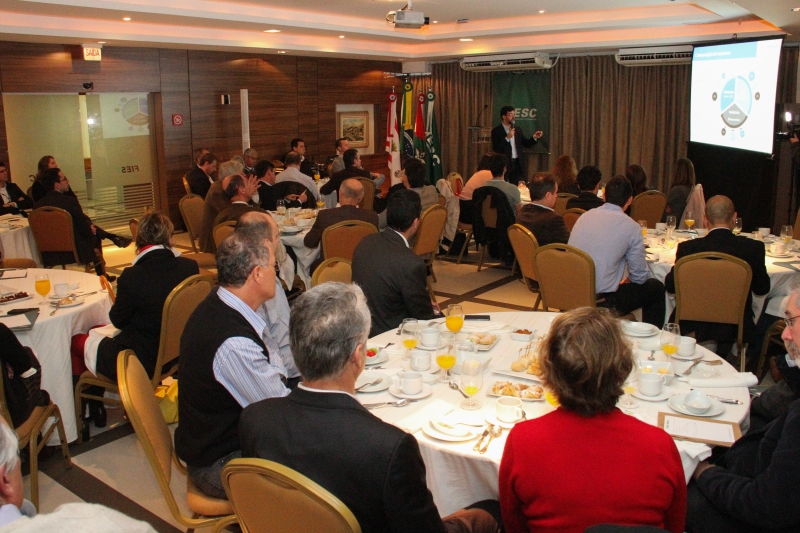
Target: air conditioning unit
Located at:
point(663, 55)
point(533, 61)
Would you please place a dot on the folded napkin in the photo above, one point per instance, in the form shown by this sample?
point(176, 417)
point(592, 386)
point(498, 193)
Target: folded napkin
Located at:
point(414, 422)
point(742, 379)
point(695, 450)
point(484, 327)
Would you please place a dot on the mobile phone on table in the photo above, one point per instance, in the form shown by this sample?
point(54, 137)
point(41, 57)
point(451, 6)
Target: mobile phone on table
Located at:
point(477, 317)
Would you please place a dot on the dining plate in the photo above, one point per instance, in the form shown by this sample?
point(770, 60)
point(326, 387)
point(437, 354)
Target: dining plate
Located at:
point(76, 302)
point(290, 230)
point(678, 403)
point(693, 357)
point(17, 300)
point(540, 399)
point(426, 391)
point(441, 344)
point(430, 431)
point(441, 424)
point(368, 376)
point(639, 329)
point(666, 393)
point(778, 256)
point(520, 375)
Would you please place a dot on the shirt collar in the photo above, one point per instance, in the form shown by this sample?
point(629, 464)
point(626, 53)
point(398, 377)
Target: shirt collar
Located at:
point(176, 253)
point(325, 391)
point(403, 236)
point(9, 513)
point(237, 304)
point(542, 206)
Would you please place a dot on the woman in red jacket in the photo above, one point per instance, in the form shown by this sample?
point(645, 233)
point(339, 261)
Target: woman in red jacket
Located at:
point(587, 463)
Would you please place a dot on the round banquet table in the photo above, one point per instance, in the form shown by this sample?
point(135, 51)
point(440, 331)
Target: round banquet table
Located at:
point(18, 241)
point(50, 336)
point(456, 475)
point(305, 255)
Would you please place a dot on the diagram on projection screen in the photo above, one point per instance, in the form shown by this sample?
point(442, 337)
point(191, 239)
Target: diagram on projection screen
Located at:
point(733, 94)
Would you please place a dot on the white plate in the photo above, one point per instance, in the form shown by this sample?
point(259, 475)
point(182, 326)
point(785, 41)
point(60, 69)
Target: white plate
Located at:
point(490, 393)
point(487, 347)
point(368, 376)
point(696, 355)
point(432, 433)
point(78, 301)
point(703, 371)
point(677, 403)
point(457, 430)
point(779, 256)
point(520, 375)
point(666, 392)
point(380, 358)
point(491, 418)
point(427, 390)
point(639, 329)
point(290, 230)
point(17, 300)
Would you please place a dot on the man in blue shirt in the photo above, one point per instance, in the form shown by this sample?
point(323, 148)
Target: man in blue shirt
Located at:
point(615, 243)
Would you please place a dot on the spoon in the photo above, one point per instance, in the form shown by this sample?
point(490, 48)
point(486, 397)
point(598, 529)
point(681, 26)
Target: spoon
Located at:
point(365, 385)
point(652, 357)
point(494, 432)
point(398, 403)
point(454, 386)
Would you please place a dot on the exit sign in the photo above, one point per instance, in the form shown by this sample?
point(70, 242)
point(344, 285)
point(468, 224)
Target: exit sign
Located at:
point(92, 52)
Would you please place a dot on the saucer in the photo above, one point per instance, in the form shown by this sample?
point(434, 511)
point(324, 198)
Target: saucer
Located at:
point(430, 431)
point(420, 346)
point(459, 431)
point(426, 391)
point(76, 302)
point(697, 354)
point(380, 358)
point(368, 376)
point(639, 329)
point(678, 404)
point(492, 419)
point(778, 256)
point(666, 392)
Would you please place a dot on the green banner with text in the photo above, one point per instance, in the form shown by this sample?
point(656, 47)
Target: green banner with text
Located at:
point(529, 93)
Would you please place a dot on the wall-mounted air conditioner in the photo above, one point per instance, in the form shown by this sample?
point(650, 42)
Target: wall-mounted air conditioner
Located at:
point(662, 55)
point(531, 61)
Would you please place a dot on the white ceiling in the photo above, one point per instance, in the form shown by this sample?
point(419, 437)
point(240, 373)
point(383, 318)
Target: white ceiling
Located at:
point(313, 27)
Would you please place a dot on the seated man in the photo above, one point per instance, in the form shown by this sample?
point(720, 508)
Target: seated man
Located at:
point(323, 432)
point(342, 145)
point(350, 194)
point(12, 199)
point(393, 277)
point(754, 486)
point(589, 181)
point(545, 224)
point(293, 173)
point(250, 158)
point(720, 217)
point(305, 166)
point(201, 176)
point(265, 174)
point(415, 177)
point(497, 166)
point(215, 202)
point(225, 365)
point(352, 169)
point(239, 191)
point(614, 241)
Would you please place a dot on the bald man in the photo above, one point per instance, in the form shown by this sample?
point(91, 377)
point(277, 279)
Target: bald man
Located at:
point(719, 218)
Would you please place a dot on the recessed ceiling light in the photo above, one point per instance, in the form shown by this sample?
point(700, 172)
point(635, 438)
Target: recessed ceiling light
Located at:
point(126, 18)
point(341, 37)
point(272, 31)
point(435, 21)
point(796, 9)
point(101, 42)
point(541, 11)
point(281, 51)
point(465, 40)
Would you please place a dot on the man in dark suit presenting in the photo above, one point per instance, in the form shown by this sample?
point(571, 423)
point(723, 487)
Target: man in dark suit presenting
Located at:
point(546, 225)
point(719, 218)
point(509, 139)
point(323, 432)
point(392, 275)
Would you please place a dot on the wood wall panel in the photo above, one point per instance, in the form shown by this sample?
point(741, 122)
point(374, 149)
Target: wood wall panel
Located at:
point(307, 108)
point(178, 150)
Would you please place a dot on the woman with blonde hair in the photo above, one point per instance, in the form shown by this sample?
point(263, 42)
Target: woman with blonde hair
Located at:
point(565, 170)
point(588, 463)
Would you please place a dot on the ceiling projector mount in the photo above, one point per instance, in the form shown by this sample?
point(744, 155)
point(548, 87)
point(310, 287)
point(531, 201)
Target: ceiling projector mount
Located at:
point(406, 19)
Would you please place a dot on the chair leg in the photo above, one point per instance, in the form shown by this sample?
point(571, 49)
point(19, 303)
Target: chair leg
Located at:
point(538, 299)
point(480, 259)
point(79, 412)
point(514, 266)
point(465, 247)
point(34, 464)
point(433, 274)
point(62, 436)
point(742, 349)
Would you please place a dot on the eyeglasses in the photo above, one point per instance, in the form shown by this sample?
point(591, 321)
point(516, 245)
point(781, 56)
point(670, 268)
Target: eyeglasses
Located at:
point(790, 320)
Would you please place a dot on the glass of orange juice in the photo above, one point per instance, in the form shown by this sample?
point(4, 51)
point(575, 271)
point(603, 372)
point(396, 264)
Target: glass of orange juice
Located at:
point(670, 338)
point(446, 354)
point(42, 285)
point(471, 382)
point(409, 336)
point(688, 219)
point(627, 402)
point(454, 318)
point(643, 225)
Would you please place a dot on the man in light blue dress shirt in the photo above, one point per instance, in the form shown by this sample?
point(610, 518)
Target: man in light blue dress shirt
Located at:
point(615, 243)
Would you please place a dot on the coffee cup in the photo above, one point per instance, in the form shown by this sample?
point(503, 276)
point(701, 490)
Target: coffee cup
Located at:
point(661, 226)
point(697, 402)
point(764, 232)
point(429, 336)
point(509, 409)
point(410, 383)
point(420, 360)
point(777, 248)
point(687, 346)
point(702, 232)
point(650, 384)
point(61, 289)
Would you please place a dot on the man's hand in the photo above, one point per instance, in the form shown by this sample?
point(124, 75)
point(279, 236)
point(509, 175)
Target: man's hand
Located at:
point(435, 306)
point(250, 185)
point(94, 229)
point(510, 134)
point(303, 198)
point(290, 197)
point(625, 280)
point(702, 467)
point(537, 135)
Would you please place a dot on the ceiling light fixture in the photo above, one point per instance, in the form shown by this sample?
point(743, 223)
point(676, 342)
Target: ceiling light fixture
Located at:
point(541, 11)
point(341, 37)
point(272, 31)
point(126, 19)
point(796, 9)
point(465, 40)
point(435, 21)
point(281, 51)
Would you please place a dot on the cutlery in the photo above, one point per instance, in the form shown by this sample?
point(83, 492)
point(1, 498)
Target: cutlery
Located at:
point(452, 425)
point(483, 436)
point(454, 386)
point(399, 403)
point(652, 356)
point(689, 370)
point(725, 400)
point(365, 385)
point(58, 304)
point(493, 434)
point(390, 344)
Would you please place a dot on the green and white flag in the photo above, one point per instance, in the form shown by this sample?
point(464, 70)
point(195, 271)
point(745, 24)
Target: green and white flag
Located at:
point(433, 159)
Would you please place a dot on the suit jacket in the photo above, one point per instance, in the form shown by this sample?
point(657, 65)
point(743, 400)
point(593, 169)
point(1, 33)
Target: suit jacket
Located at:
point(724, 241)
point(329, 217)
point(142, 290)
point(232, 213)
point(505, 217)
point(375, 468)
point(216, 201)
point(393, 279)
point(585, 200)
point(267, 196)
point(501, 146)
point(546, 225)
point(338, 177)
point(198, 181)
point(17, 196)
point(81, 224)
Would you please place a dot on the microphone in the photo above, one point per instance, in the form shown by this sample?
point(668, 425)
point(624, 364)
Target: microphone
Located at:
point(478, 119)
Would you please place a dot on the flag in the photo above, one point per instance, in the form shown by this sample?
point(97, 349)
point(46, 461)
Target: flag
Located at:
point(393, 140)
point(433, 160)
point(419, 128)
point(407, 112)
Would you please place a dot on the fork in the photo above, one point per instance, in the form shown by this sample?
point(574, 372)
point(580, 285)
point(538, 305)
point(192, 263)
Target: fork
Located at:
point(365, 385)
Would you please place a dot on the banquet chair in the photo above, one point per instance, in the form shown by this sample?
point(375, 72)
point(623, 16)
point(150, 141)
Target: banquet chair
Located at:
point(28, 434)
point(796, 227)
point(456, 182)
point(186, 185)
point(466, 229)
point(713, 287)
point(368, 200)
point(279, 166)
point(17, 262)
point(442, 200)
point(525, 245)
point(222, 230)
point(571, 216)
point(133, 224)
point(294, 502)
point(649, 206)
point(141, 405)
point(561, 202)
point(191, 208)
point(341, 239)
point(334, 269)
point(566, 277)
point(429, 235)
point(178, 306)
point(489, 215)
point(106, 285)
point(52, 230)
point(773, 337)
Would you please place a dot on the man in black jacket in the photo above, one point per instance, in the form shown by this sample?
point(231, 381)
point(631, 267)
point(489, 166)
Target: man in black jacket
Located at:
point(546, 225)
point(588, 179)
point(12, 199)
point(201, 176)
point(509, 139)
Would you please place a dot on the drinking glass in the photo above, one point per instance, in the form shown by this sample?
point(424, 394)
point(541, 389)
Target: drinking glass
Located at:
point(471, 381)
point(627, 402)
point(409, 336)
point(281, 209)
point(671, 222)
point(689, 219)
point(786, 234)
point(454, 318)
point(670, 338)
point(737, 226)
point(42, 285)
point(446, 354)
point(643, 225)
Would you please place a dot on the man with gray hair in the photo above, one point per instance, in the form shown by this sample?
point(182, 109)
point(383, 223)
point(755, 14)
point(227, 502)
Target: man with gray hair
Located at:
point(225, 364)
point(239, 190)
point(755, 485)
point(323, 432)
point(292, 173)
point(250, 157)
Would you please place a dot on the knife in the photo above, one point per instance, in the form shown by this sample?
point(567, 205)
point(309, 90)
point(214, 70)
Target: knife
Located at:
point(480, 440)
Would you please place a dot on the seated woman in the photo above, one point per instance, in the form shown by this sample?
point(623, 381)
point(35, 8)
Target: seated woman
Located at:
point(587, 463)
point(683, 180)
point(22, 378)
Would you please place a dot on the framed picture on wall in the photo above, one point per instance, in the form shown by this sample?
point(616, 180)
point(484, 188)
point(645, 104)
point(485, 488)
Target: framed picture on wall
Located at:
point(353, 126)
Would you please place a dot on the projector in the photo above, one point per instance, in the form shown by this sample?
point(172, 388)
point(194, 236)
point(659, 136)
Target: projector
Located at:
point(410, 20)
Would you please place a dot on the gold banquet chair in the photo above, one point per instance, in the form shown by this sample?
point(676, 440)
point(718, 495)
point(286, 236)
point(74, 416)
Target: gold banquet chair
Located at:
point(341, 239)
point(222, 230)
point(186, 185)
point(649, 206)
point(525, 246)
point(429, 235)
point(191, 208)
point(272, 498)
point(571, 216)
point(333, 269)
point(141, 405)
point(17, 262)
point(178, 306)
point(561, 202)
point(52, 230)
point(713, 287)
point(369, 194)
point(566, 277)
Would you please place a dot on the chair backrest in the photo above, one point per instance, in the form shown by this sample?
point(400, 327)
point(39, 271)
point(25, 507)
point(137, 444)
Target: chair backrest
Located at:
point(222, 230)
point(561, 202)
point(442, 200)
point(369, 194)
point(456, 182)
point(341, 239)
point(489, 213)
point(649, 206)
point(431, 227)
point(106, 285)
point(525, 245)
point(571, 216)
point(17, 262)
point(712, 287)
point(334, 269)
point(52, 230)
point(191, 207)
point(566, 277)
point(133, 224)
point(278, 164)
point(268, 497)
point(186, 185)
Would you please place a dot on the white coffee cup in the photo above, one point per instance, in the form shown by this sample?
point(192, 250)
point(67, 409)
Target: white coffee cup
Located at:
point(687, 346)
point(650, 384)
point(661, 226)
point(429, 336)
point(778, 248)
point(509, 409)
point(61, 289)
point(764, 232)
point(410, 383)
point(702, 232)
point(420, 360)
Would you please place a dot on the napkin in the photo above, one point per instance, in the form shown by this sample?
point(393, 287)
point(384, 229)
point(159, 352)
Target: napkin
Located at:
point(484, 327)
point(742, 379)
point(414, 422)
point(695, 450)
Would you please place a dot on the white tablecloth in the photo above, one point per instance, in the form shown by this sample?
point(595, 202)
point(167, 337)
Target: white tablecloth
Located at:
point(305, 256)
point(458, 476)
point(51, 335)
point(18, 241)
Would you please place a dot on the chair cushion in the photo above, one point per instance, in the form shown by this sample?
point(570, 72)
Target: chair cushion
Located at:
point(205, 505)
